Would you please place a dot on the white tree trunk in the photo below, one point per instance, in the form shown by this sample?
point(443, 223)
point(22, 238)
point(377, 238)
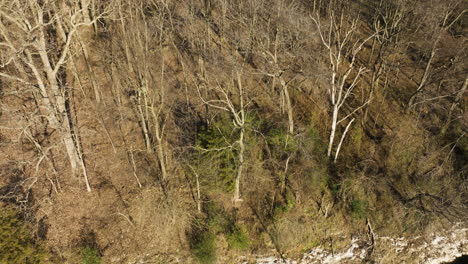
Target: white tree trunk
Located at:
point(29, 34)
point(342, 139)
point(240, 168)
point(197, 178)
point(289, 109)
point(238, 115)
point(332, 130)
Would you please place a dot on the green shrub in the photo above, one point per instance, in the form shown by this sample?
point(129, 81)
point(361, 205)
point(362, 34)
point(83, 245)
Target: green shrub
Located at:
point(203, 247)
point(356, 136)
point(281, 140)
point(238, 238)
point(216, 222)
point(220, 221)
point(16, 243)
point(319, 144)
point(89, 255)
point(285, 204)
point(359, 208)
point(215, 154)
point(319, 177)
point(213, 136)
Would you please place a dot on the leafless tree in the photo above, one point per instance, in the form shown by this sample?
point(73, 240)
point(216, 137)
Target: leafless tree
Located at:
point(142, 39)
point(274, 45)
point(227, 102)
point(457, 100)
point(343, 46)
point(448, 19)
point(32, 56)
point(387, 25)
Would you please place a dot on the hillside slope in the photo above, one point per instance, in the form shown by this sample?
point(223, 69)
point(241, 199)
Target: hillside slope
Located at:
point(201, 131)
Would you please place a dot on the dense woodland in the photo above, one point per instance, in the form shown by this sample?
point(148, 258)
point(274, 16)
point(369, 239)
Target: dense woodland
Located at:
point(149, 131)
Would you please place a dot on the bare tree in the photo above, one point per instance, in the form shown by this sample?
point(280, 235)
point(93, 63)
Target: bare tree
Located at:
point(276, 44)
point(277, 75)
point(34, 57)
point(386, 24)
point(343, 47)
point(142, 44)
point(447, 21)
point(457, 100)
point(238, 113)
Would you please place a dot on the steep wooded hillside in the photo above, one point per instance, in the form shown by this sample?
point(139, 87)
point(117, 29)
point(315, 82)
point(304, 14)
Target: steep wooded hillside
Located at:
point(151, 131)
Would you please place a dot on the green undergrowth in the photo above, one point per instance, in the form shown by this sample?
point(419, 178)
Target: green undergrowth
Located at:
point(358, 208)
point(203, 246)
point(89, 255)
point(207, 230)
point(216, 155)
point(17, 244)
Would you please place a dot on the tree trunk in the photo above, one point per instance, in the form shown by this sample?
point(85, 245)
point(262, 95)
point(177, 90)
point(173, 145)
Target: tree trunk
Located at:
point(144, 124)
point(240, 117)
point(342, 139)
point(452, 108)
point(241, 167)
point(289, 109)
point(424, 78)
point(161, 156)
point(61, 116)
point(333, 130)
point(197, 178)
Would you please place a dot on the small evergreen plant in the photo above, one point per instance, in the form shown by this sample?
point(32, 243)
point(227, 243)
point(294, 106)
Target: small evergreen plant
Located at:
point(16, 243)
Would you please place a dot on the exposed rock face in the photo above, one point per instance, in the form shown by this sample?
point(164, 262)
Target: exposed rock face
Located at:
point(440, 247)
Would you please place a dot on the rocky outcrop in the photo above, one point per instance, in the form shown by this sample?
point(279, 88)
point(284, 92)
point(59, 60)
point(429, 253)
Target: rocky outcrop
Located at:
point(440, 247)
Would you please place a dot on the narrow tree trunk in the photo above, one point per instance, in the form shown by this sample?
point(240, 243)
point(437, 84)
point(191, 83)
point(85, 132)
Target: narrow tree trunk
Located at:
point(240, 168)
point(132, 159)
point(85, 9)
point(160, 144)
point(82, 163)
point(333, 130)
point(198, 193)
point(452, 108)
point(285, 175)
point(289, 109)
point(342, 139)
point(197, 178)
point(197, 182)
point(161, 156)
point(92, 76)
point(144, 124)
point(425, 76)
